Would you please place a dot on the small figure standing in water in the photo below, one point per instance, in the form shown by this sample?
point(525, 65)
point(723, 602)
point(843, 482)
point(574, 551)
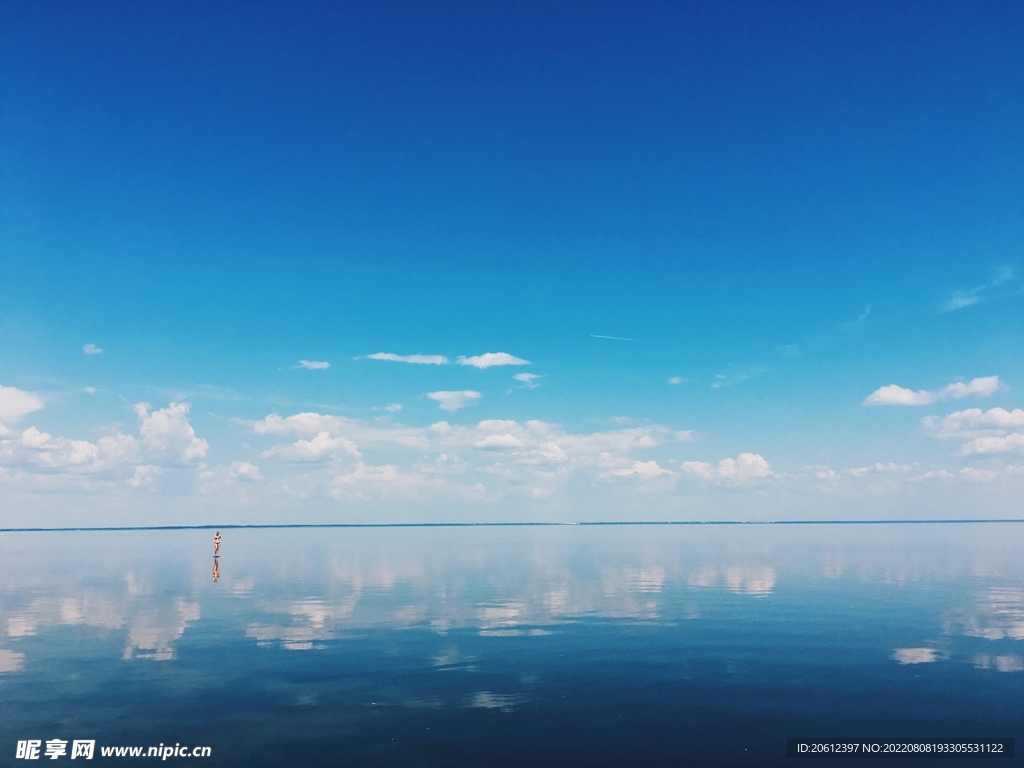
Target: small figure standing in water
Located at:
point(216, 544)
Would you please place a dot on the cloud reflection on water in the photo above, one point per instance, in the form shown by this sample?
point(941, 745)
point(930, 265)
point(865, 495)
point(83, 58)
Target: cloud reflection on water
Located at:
point(302, 589)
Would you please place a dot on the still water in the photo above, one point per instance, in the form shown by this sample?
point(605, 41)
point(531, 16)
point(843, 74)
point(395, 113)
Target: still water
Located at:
point(565, 645)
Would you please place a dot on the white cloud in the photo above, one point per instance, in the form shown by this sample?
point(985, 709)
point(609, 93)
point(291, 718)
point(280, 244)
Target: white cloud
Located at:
point(166, 438)
point(144, 474)
point(313, 450)
point(359, 432)
point(15, 404)
point(1014, 442)
point(532, 457)
point(167, 433)
point(529, 380)
point(244, 470)
point(315, 365)
point(416, 359)
point(491, 359)
point(676, 380)
point(39, 451)
point(393, 407)
point(645, 470)
point(879, 468)
point(960, 299)
point(499, 442)
point(987, 432)
point(452, 400)
point(972, 296)
point(893, 394)
point(383, 480)
point(972, 475)
point(92, 349)
point(90, 390)
point(973, 422)
point(744, 467)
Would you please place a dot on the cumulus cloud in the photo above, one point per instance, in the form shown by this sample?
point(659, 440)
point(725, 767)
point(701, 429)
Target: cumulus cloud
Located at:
point(453, 400)
point(367, 481)
point(498, 442)
point(415, 359)
point(15, 404)
point(744, 467)
point(879, 468)
point(245, 470)
point(40, 451)
point(531, 457)
point(993, 431)
point(167, 433)
point(973, 422)
point(165, 439)
point(92, 349)
point(393, 407)
point(144, 474)
point(973, 475)
point(315, 365)
point(676, 380)
point(1014, 442)
point(313, 450)
point(491, 359)
point(643, 470)
point(359, 432)
point(893, 394)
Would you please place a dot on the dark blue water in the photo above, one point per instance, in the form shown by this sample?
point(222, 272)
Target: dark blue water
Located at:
point(566, 646)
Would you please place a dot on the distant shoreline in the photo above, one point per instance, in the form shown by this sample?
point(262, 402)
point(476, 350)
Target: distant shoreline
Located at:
point(235, 526)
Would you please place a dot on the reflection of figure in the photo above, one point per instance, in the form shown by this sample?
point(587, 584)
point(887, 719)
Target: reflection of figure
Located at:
point(216, 544)
point(216, 568)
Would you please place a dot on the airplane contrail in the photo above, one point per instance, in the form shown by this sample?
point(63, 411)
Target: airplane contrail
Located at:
point(613, 338)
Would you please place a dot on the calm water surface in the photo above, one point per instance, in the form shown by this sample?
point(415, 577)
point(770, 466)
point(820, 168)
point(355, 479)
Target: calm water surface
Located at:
point(569, 645)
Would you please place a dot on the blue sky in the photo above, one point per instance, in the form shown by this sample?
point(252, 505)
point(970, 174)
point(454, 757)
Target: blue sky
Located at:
point(781, 207)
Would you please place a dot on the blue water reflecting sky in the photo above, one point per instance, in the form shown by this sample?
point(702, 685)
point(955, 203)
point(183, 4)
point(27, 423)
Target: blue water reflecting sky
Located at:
point(553, 645)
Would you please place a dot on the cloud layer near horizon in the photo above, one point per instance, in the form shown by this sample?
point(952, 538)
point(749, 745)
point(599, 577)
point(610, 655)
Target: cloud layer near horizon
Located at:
point(893, 394)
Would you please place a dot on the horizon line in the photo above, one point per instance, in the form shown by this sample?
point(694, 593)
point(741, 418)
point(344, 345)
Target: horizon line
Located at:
point(237, 526)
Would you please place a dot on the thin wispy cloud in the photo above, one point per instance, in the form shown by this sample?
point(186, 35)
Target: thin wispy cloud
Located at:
point(414, 359)
point(492, 359)
point(314, 365)
point(893, 394)
point(611, 338)
point(92, 349)
point(528, 380)
point(450, 400)
point(728, 380)
point(977, 294)
point(861, 318)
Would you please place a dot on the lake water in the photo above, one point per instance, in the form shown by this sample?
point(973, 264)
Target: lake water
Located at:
point(493, 646)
